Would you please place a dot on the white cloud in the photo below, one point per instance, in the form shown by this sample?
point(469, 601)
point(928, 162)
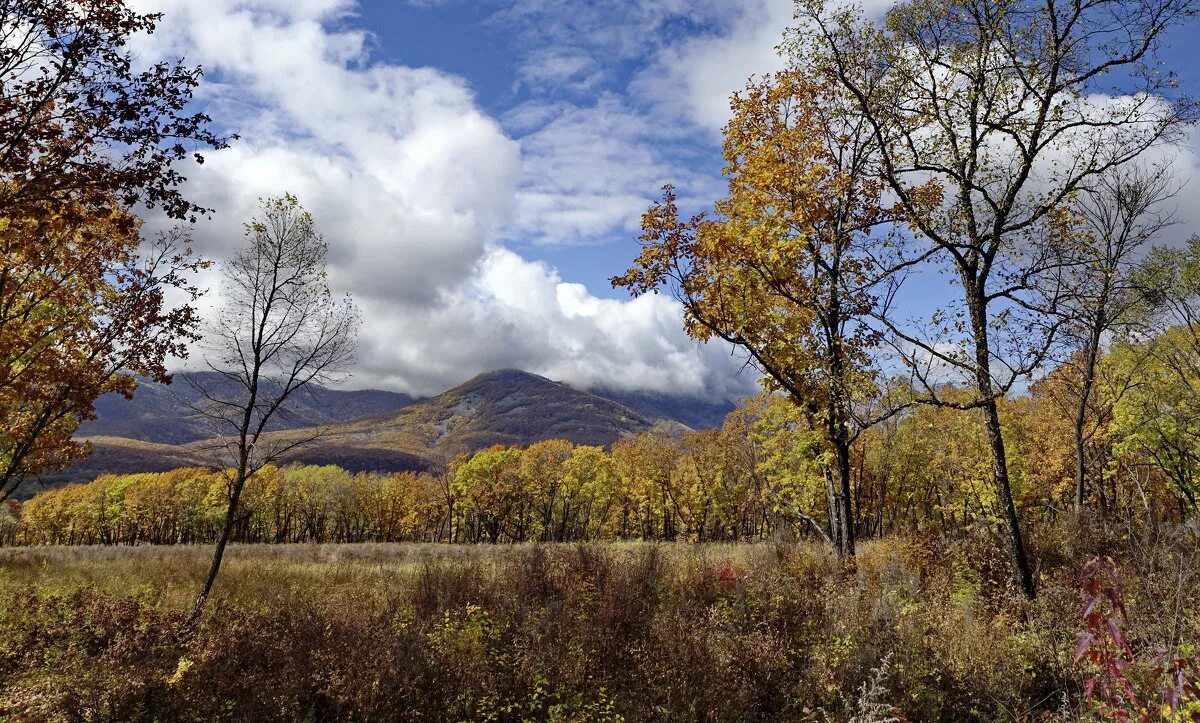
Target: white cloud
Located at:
point(413, 184)
point(593, 156)
point(406, 176)
point(521, 314)
point(695, 77)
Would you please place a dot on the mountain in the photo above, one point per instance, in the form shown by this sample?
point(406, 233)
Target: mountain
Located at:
point(163, 413)
point(517, 408)
point(688, 411)
point(504, 407)
point(382, 431)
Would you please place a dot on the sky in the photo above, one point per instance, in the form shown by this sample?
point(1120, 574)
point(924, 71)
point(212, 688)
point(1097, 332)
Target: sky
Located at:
point(479, 167)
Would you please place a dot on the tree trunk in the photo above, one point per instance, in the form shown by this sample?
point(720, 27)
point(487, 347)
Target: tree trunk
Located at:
point(1091, 355)
point(983, 379)
point(835, 516)
point(846, 511)
point(219, 553)
point(1080, 467)
point(1016, 547)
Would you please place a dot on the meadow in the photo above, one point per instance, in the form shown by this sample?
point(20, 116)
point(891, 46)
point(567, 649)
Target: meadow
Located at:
point(921, 630)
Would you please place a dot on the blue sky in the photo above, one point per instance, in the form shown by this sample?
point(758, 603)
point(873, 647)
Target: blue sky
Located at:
point(479, 168)
point(483, 45)
point(470, 40)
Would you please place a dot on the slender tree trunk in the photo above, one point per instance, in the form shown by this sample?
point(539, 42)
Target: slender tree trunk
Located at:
point(1016, 547)
point(846, 517)
point(1080, 467)
point(219, 553)
point(991, 410)
point(1087, 383)
point(1105, 507)
point(835, 517)
point(978, 310)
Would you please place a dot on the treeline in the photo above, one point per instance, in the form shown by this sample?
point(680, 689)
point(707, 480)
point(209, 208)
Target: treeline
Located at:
point(765, 473)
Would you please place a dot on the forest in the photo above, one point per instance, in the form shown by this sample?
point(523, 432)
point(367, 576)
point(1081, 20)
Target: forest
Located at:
point(951, 243)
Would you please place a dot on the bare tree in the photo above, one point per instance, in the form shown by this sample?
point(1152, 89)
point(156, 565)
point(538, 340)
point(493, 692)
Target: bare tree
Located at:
point(1010, 107)
point(1121, 212)
point(279, 331)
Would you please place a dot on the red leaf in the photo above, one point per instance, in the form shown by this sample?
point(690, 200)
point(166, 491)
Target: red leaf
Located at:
point(1085, 642)
point(1114, 629)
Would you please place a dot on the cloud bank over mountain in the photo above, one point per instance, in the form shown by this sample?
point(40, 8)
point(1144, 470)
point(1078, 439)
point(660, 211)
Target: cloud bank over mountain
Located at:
point(423, 196)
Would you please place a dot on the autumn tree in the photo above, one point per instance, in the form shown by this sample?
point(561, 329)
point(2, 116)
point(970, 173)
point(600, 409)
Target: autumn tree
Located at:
point(543, 470)
point(280, 331)
point(1121, 212)
point(789, 266)
point(1162, 415)
point(644, 464)
point(1169, 279)
point(81, 312)
point(744, 459)
point(789, 455)
point(85, 133)
point(1005, 105)
point(490, 490)
point(591, 478)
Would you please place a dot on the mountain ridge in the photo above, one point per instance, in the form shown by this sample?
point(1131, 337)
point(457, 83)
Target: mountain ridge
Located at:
point(374, 430)
point(164, 414)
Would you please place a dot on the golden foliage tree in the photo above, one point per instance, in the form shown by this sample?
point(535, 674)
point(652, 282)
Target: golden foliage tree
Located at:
point(788, 267)
point(81, 312)
point(85, 134)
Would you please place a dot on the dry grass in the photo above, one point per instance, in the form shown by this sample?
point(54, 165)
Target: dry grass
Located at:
point(592, 632)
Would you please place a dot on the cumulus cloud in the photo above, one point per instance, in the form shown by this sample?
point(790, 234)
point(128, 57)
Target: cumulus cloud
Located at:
point(520, 314)
point(406, 175)
point(415, 187)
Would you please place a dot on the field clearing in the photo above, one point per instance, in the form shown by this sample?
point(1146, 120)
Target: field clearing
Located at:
point(170, 574)
point(921, 630)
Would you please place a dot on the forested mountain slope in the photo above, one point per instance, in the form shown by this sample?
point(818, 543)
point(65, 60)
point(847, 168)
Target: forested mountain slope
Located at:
point(374, 430)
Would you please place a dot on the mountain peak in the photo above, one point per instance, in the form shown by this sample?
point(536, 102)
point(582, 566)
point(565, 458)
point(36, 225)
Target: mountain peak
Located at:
point(506, 376)
point(514, 407)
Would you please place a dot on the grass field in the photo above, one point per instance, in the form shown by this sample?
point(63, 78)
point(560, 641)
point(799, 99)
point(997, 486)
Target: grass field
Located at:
point(920, 631)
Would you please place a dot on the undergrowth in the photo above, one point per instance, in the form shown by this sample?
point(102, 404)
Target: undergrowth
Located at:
point(922, 630)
